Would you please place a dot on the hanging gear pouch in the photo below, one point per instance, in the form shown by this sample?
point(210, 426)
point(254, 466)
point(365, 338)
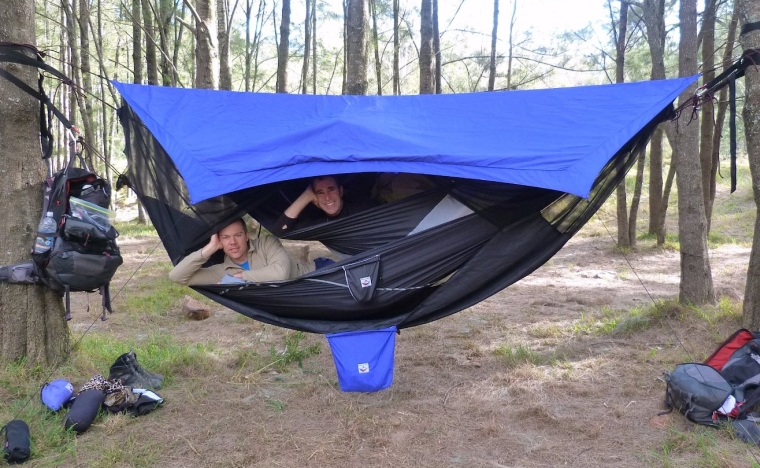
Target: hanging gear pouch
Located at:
point(364, 359)
point(361, 278)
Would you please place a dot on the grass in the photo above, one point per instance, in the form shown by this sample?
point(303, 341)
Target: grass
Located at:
point(52, 444)
point(135, 229)
point(519, 355)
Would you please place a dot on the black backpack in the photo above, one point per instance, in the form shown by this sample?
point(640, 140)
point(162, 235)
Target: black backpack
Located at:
point(84, 256)
point(701, 391)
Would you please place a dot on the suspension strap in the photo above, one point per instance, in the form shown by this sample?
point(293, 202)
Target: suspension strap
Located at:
point(9, 53)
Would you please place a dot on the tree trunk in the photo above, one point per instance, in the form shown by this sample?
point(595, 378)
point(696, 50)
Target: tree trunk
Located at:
point(31, 317)
point(206, 52)
point(223, 35)
point(510, 54)
point(314, 46)
point(494, 35)
point(437, 50)
point(622, 202)
point(396, 90)
point(151, 59)
point(85, 100)
point(722, 107)
point(137, 58)
point(356, 57)
point(283, 49)
point(653, 13)
point(306, 47)
point(696, 286)
point(376, 49)
point(707, 124)
point(749, 11)
point(426, 47)
point(164, 29)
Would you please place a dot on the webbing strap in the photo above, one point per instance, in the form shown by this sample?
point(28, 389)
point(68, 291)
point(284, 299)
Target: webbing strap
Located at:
point(732, 127)
point(8, 53)
point(728, 78)
point(749, 27)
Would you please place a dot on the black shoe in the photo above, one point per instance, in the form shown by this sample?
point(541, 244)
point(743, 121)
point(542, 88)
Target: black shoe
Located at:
point(156, 380)
point(126, 369)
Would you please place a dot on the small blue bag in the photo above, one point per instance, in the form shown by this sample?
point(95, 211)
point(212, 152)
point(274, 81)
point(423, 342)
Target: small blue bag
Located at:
point(364, 359)
point(56, 394)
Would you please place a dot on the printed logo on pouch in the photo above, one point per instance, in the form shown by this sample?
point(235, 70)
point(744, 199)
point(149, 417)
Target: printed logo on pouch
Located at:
point(366, 282)
point(363, 367)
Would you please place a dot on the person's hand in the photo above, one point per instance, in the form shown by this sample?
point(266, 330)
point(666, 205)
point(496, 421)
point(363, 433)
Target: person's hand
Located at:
point(238, 275)
point(213, 245)
point(303, 200)
point(309, 196)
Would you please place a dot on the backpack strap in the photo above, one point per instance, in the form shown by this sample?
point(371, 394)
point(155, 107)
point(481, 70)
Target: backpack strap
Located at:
point(67, 294)
point(105, 297)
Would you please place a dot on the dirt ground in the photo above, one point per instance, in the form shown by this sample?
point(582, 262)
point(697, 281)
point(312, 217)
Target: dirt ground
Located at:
point(454, 402)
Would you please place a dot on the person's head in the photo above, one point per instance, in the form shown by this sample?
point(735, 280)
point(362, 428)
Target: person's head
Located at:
point(234, 239)
point(329, 194)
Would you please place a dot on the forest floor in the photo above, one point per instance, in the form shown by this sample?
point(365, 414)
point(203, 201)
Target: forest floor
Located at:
point(561, 369)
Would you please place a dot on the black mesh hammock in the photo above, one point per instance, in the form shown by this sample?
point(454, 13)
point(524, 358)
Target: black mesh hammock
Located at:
point(503, 232)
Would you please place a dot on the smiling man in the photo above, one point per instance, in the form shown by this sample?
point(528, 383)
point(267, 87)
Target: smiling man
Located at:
point(257, 260)
point(326, 194)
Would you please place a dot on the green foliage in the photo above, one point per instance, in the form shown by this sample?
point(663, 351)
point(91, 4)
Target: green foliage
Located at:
point(293, 351)
point(156, 298)
point(94, 354)
point(516, 356)
point(135, 229)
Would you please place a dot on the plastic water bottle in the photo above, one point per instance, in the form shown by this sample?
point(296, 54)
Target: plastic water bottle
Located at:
point(45, 234)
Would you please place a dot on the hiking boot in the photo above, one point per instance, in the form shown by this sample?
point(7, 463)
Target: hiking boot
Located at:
point(131, 374)
point(156, 380)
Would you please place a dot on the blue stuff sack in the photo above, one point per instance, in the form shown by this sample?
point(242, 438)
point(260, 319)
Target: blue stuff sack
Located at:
point(364, 359)
point(56, 394)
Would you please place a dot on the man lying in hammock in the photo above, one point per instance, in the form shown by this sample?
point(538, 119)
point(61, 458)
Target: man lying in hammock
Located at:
point(327, 194)
point(256, 260)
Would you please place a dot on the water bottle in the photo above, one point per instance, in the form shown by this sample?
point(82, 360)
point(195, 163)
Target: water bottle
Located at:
point(45, 234)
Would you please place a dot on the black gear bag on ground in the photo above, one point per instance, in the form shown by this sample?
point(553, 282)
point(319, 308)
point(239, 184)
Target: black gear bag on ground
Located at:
point(84, 256)
point(17, 445)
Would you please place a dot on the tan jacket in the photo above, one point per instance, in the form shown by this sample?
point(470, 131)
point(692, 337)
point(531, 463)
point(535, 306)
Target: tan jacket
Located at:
point(266, 256)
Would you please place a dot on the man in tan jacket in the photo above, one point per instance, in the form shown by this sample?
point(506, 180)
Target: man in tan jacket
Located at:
point(257, 260)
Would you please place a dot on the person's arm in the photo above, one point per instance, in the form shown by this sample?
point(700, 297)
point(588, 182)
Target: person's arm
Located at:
point(287, 221)
point(277, 261)
point(189, 271)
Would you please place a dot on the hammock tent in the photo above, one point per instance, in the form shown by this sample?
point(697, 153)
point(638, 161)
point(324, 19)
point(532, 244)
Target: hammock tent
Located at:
point(515, 175)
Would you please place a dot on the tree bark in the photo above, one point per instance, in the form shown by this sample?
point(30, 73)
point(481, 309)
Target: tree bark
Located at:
point(722, 107)
point(32, 326)
point(749, 12)
point(426, 47)
point(621, 196)
point(696, 286)
point(306, 47)
point(376, 49)
point(85, 103)
point(396, 90)
point(283, 49)
point(653, 13)
point(356, 45)
point(223, 35)
point(494, 35)
point(707, 124)
point(137, 57)
point(151, 58)
point(438, 78)
point(206, 51)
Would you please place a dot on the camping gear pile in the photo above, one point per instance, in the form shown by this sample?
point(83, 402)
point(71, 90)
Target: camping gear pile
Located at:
point(128, 389)
point(724, 390)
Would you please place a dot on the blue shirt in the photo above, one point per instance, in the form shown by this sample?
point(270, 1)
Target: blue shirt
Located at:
point(245, 265)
